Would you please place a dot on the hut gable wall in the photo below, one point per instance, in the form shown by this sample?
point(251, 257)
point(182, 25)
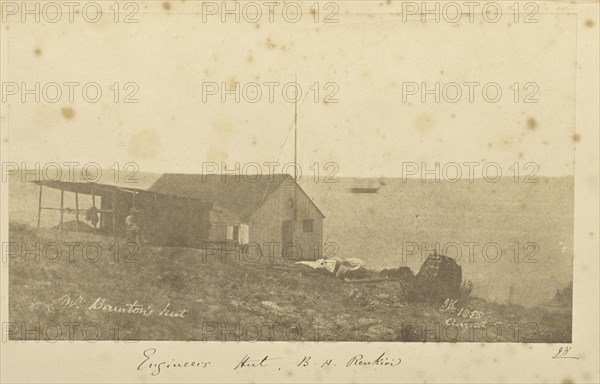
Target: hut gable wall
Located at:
point(266, 223)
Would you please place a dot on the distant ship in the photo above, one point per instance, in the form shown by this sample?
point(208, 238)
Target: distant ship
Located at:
point(366, 189)
point(363, 190)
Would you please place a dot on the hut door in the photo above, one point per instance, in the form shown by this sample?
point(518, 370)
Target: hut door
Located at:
point(287, 233)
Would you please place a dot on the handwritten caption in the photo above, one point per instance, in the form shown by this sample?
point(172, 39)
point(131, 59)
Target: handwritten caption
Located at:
point(155, 365)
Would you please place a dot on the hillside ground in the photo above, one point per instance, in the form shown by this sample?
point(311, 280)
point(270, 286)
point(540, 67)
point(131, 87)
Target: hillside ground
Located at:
point(55, 292)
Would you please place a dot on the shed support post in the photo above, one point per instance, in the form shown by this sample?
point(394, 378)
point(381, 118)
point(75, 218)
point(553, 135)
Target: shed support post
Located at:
point(114, 217)
point(77, 211)
point(40, 207)
point(101, 225)
point(62, 208)
point(93, 205)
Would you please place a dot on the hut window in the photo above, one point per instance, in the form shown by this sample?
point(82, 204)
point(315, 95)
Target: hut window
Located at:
point(307, 225)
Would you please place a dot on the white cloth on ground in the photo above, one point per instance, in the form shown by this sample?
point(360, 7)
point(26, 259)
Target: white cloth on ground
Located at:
point(347, 265)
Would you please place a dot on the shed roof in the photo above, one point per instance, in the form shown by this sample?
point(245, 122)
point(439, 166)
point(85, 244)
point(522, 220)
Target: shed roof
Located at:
point(241, 194)
point(86, 187)
point(89, 188)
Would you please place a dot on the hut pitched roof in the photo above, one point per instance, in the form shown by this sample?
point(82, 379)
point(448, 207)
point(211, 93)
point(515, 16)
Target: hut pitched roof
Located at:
point(241, 194)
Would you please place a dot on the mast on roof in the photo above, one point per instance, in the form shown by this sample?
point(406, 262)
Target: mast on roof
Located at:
point(296, 130)
point(295, 146)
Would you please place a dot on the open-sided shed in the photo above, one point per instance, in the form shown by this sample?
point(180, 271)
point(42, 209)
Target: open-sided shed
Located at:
point(168, 220)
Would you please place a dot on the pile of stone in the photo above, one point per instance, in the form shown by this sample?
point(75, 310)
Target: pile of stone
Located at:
point(440, 277)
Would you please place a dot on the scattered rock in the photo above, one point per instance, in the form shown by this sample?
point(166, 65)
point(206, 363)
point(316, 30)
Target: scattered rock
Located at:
point(273, 307)
point(356, 294)
point(366, 321)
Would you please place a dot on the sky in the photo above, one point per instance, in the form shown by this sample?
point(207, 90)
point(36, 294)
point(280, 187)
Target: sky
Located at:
point(360, 109)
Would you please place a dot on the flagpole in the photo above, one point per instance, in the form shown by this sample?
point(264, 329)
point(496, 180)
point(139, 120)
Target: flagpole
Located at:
point(296, 132)
point(295, 146)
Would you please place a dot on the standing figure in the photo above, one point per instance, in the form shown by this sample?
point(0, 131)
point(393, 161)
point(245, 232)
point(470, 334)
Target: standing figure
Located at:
point(133, 225)
point(92, 215)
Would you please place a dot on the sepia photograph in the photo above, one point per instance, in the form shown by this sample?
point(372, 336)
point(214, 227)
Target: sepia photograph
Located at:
point(294, 191)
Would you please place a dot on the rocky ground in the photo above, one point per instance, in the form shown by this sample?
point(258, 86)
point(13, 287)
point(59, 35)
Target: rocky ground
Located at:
point(84, 286)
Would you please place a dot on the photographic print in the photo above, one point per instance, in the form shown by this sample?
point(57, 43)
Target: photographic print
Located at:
point(301, 191)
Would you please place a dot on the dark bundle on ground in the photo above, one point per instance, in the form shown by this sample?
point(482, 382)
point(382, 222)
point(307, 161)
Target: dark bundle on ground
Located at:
point(361, 273)
point(401, 273)
point(439, 278)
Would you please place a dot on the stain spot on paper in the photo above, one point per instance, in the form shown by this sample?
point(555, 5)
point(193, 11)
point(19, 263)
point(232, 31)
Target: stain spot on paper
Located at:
point(589, 23)
point(223, 128)
point(576, 137)
point(166, 6)
point(68, 113)
point(217, 155)
point(231, 84)
point(424, 123)
point(532, 124)
point(37, 52)
point(271, 44)
point(144, 144)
